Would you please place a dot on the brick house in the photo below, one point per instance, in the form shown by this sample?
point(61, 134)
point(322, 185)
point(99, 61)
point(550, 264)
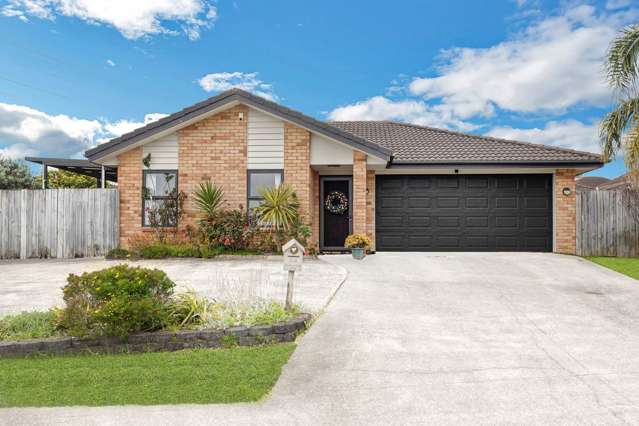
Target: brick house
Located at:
point(408, 187)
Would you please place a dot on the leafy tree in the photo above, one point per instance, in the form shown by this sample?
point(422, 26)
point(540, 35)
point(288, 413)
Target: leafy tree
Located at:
point(15, 174)
point(65, 179)
point(619, 130)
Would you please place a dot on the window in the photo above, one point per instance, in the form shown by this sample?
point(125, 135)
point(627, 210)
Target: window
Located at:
point(258, 179)
point(159, 189)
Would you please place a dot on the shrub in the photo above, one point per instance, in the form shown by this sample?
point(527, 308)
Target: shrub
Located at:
point(358, 241)
point(189, 309)
point(226, 228)
point(116, 301)
point(28, 325)
point(119, 253)
point(155, 251)
point(183, 250)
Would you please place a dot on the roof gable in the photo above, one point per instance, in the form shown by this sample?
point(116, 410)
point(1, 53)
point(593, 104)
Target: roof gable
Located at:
point(214, 103)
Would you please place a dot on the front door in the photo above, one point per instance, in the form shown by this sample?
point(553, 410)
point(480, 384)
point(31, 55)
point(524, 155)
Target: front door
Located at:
point(336, 211)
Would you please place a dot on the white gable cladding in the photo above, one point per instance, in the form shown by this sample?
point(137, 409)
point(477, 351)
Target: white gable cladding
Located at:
point(265, 141)
point(164, 152)
point(327, 152)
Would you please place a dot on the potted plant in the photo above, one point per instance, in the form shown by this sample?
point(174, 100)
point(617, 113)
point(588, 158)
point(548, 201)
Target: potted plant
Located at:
point(358, 243)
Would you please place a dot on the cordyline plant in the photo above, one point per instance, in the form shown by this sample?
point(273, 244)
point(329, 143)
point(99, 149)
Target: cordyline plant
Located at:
point(619, 130)
point(208, 199)
point(280, 208)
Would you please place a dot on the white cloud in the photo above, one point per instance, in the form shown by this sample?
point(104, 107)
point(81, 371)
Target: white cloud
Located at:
point(110, 63)
point(555, 64)
point(134, 19)
point(125, 126)
point(571, 134)
point(410, 111)
point(27, 131)
point(220, 81)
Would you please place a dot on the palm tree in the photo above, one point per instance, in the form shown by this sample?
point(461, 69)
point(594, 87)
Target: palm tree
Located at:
point(619, 130)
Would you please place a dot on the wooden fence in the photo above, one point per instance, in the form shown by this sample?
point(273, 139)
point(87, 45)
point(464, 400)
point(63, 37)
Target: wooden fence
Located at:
point(604, 225)
point(60, 223)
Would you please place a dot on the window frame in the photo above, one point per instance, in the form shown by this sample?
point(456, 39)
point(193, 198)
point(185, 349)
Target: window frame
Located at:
point(153, 198)
point(250, 172)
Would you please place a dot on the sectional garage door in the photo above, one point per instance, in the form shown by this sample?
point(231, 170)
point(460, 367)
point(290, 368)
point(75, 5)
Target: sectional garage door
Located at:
point(464, 212)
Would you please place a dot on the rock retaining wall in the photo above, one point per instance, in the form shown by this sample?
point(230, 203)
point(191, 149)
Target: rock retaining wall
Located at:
point(162, 340)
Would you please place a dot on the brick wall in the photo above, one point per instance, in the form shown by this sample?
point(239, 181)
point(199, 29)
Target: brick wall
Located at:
point(130, 189)
point(297, 169)
point(215, 149)
point(565, 212)
point(370, 206)
point(315, 206)
point(359, 193)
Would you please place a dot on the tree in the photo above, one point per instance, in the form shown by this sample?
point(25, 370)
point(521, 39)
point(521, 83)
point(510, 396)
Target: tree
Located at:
point(619, 130)
point(64, 179)
point(15, 174)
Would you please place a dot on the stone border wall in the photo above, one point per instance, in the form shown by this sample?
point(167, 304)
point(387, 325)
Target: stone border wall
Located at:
point(162, 340)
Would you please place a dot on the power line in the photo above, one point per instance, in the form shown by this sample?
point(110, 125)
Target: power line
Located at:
point(30, 86)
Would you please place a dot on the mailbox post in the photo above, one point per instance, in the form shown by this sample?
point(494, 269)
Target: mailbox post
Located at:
point(293, 253)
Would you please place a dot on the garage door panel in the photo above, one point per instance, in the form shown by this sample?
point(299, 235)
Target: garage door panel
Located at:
point(464, 212)
point(477, 202)
point(419, 202)
point(419, 221)
point(391, 202)
point(506, 202)
point(477, 222)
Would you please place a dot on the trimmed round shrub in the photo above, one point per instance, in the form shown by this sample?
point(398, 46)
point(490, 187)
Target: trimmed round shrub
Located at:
point(116, 301)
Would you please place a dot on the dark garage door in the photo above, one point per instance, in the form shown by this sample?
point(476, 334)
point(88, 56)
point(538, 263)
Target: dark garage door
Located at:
point(464, 213)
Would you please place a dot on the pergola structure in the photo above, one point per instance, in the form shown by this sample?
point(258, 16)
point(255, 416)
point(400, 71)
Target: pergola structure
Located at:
point(82, 167)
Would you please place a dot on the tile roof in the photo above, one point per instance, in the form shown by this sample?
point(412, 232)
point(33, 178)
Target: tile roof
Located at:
point(241, 96)
point(418, 144)
point(590, 182)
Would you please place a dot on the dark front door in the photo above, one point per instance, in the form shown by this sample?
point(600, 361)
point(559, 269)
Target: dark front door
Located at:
point(464, 212)
point(336, 211)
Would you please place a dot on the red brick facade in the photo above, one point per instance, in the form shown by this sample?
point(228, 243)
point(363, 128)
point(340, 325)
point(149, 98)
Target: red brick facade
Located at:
point(214, 149)
point(565, 212)
point(130, 189)
point(297, 166)
point(359, 193)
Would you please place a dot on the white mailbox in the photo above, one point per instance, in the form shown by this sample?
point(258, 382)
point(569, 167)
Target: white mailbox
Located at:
point(293, 253)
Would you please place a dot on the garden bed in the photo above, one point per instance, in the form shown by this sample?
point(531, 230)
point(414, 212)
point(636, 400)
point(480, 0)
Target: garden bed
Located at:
point(162, 340)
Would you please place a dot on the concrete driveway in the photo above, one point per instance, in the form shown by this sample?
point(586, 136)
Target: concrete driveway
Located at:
point(444, 339)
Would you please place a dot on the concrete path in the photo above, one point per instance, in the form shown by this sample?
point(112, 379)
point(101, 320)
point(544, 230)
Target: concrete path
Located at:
point(462, 338)
point(36, 284)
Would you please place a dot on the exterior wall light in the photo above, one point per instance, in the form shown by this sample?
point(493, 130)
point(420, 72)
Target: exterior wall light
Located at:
point(241, 116)
point(566, 191)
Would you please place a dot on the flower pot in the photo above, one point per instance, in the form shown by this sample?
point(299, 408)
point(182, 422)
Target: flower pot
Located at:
point(358, 253)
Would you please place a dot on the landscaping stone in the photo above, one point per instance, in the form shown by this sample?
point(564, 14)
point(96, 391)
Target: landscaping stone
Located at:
point(261, 330)
point(237, 331)
point(159, 341)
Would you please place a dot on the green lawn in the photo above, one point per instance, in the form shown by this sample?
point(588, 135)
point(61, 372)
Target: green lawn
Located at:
point(202, 376)
point(626, 265)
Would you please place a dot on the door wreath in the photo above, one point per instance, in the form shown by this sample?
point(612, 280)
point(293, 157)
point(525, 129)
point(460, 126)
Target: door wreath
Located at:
point(336, 202)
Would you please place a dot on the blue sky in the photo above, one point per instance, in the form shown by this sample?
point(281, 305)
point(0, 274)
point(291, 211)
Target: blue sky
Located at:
point(78, 72)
